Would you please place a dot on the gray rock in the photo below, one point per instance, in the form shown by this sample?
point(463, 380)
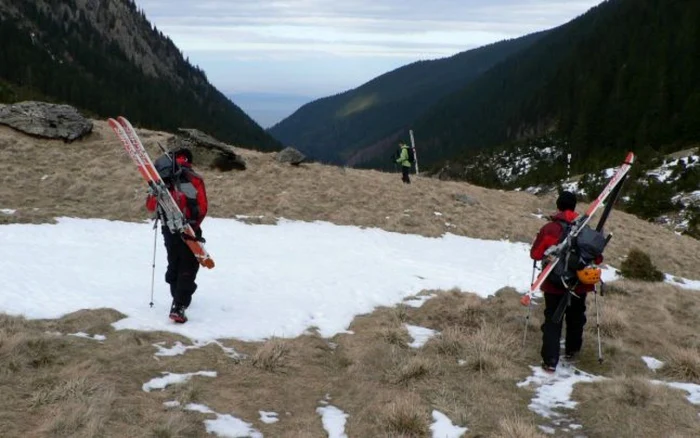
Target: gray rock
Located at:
point(466, 199)
point(207, 150)
point(46, 120)
point(291, 156)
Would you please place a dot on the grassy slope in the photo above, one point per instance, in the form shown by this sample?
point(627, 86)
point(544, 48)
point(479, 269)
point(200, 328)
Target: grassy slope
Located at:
point(57, 385)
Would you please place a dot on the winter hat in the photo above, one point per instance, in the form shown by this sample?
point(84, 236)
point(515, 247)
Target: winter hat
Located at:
point(566, 201)
point(183, 151)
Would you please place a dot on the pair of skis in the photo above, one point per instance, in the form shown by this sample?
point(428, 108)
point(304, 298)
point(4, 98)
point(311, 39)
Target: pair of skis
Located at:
point(173, 217)
point(606, 198)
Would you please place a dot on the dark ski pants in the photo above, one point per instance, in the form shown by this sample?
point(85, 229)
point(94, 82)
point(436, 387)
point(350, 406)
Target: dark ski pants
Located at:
point(182, 269)
point(405, 172)
point(575, 317)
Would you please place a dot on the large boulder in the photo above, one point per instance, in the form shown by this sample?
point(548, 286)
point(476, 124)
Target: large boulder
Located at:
point(46, 120)
point(207, 150)
point(291, 156)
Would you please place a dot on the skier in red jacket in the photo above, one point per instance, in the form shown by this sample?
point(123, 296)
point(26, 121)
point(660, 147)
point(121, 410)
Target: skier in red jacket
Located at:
point(549, 235)
point(189, 192)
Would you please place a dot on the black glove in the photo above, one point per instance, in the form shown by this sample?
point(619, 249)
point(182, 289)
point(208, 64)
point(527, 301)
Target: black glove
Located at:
point(198, 235)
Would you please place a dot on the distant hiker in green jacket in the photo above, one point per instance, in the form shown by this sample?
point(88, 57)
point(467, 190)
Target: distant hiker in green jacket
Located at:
point(406, 161)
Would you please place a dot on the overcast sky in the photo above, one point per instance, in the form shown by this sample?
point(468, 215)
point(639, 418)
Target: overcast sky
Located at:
point(323, 47)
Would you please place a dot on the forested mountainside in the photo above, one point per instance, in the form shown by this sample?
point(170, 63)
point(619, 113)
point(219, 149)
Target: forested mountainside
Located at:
point(105, 58)
point(621, 77)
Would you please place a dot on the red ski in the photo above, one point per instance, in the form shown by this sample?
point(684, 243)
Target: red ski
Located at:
point(174, 219)
point(599, 202)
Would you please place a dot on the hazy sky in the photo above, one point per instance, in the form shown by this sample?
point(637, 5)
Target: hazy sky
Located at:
point(323, 47)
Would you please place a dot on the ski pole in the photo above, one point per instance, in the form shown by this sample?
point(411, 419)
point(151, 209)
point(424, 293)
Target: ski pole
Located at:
point(597, 323)
point(153, 265)
point(529, 305)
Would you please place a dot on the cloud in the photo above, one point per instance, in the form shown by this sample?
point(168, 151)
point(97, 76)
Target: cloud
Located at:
point(373, 27)
point(383, 34)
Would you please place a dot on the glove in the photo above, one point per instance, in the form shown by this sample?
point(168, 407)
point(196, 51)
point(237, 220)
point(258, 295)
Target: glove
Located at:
point(198, 235)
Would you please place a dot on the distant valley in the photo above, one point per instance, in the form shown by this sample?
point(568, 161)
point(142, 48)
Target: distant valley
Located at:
point(267, 109)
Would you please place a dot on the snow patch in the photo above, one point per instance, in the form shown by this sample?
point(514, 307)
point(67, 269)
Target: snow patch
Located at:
point(442, 427)
point(268, 417)
point(548, 430)
point(261, 286)
point(652, 363)
point(99, 338)
point(173, 379)
point(333, 420)
point(554, 391)
point(692, 389)
point(417, 301)
point(179, 348)
point(682, 282)
point(420, 335)
point(225, 425)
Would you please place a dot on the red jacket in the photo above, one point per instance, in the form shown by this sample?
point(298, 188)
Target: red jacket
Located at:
point(549, 235)
point(196, 209)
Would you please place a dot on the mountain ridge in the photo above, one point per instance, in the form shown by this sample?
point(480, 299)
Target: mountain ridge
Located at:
point(336, 128)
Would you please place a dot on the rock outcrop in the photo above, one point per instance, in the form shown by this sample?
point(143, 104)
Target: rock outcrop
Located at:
point(207, 150)
point(291, 156)
point(45, 120)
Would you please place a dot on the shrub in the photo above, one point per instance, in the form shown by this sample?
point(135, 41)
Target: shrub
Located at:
point(652, 200)
point(638, 266)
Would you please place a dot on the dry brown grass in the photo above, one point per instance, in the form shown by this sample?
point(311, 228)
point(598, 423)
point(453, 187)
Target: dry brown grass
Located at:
point(682, 365)
point(397, 336)
point(414, 369)
point(407, 417)
point(634, 407)
point(614, 320)
point(57, 385)
point(176, 425)
point(272, 355)
point(451, 342)
point(489, 348)
point(60, 385)
point(453, 309)
point(516, 427)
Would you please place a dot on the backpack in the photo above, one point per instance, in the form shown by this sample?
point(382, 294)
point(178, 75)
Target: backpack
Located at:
point(180, 179)
point(583, 250)
point(411, 157)
point(167, 168)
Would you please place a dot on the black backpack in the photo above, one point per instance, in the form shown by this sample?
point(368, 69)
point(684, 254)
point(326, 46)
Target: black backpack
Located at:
point(582, 251)
point(411, 157)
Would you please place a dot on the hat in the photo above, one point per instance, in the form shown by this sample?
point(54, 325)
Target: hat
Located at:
point(183, 151)
point(566, 201)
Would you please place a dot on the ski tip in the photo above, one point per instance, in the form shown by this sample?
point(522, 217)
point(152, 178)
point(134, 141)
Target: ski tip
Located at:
point(525, 300)
point(122, 120)
point(208, 263)
point(630, 158)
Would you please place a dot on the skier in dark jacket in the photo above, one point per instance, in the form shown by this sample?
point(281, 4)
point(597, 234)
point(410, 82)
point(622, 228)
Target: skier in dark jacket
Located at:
point(189, 192)
point(549, 235)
